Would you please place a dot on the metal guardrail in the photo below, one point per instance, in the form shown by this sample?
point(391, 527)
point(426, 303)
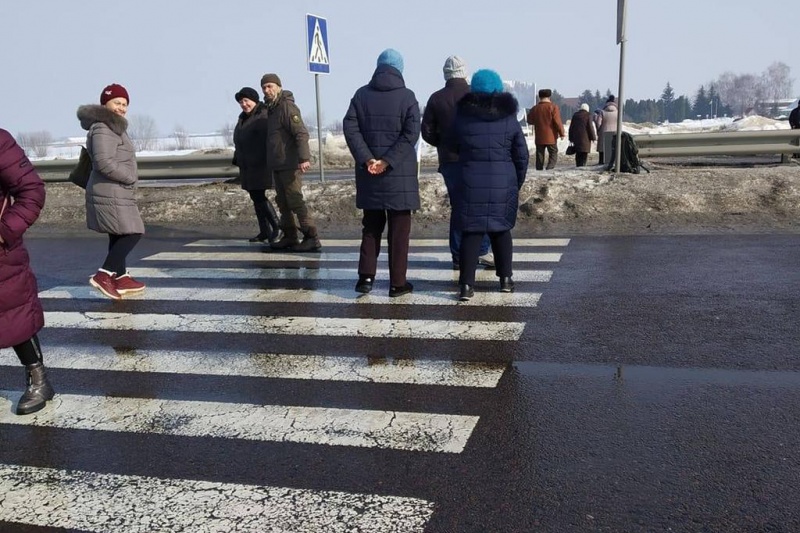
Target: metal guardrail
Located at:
point(783, 142)
point(154, 168)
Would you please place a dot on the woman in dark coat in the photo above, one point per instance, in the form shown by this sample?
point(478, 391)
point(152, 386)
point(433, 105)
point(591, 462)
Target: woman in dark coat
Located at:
point(581, 134)
point(111, 192)
point(250, 155)
point(21, 317)
point(382, 127)
point(493, 159)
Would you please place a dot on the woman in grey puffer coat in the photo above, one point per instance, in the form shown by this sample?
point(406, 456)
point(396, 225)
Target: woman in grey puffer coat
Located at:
point(110, 194)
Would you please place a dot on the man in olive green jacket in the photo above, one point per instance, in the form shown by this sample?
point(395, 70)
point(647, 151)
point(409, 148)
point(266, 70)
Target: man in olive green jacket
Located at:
point(288, 157)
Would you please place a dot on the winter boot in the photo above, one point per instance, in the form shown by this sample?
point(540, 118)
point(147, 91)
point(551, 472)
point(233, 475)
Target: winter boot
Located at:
point(265, 230)
point(272, 218)
point(289, 240)
point(310, 241)
point(37, 392)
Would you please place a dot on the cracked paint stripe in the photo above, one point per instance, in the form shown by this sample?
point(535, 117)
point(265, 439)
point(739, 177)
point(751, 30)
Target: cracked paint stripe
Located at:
point(303, 296)
point(101, 503)
point(396, 430)
point(260, 257)
point(305, 273)
point(400, 370)
point(290, 325)
point(357, 242)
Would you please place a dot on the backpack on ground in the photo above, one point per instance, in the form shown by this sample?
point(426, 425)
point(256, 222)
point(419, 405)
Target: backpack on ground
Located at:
point(629, 158)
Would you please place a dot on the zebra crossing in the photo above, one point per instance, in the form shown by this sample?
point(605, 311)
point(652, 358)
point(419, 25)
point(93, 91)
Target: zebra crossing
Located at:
point(272, 327)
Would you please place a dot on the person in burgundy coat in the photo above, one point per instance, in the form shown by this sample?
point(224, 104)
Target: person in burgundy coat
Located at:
point(21, 316)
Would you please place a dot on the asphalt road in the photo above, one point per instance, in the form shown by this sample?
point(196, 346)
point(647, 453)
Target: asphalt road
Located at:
point(651, 385)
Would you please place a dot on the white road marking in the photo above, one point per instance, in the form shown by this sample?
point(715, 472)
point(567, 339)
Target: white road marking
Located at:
point(428, 432)
point(260, 257)
point(269, 365)
point(382, 274)
point(415, 243)
point(88, 501)
point(289, 325)
point(302, 296)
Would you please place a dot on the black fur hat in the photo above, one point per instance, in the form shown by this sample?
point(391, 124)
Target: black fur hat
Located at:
point(247, 92)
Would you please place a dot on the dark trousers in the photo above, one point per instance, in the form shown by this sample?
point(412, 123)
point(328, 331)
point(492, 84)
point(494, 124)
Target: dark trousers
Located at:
point(552, 152)
point(449, 172)
point(601, 158)
point(29, 352)
point(119, 246)
point(290, 202)
point(502, 245)
point(397, 238)
point(581, 158)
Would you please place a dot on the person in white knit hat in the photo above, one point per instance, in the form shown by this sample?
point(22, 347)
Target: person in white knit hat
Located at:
point(437, 130)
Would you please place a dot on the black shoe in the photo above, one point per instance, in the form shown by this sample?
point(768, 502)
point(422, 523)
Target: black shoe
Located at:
point(38, 390)
point(467, 292)
point(309, 244)
point(506, 285)
point(261, 237)
point(394, 292)
point(284, 243)
point(364, 284)
point(456, 266)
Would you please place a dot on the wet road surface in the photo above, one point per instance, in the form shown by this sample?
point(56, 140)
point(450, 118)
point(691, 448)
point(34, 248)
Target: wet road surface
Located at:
point(629, 384)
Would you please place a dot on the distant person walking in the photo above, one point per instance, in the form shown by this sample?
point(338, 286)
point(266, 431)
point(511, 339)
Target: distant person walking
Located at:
point(545, 118)
point(606, 121)
point(381, 128)
point(581, 134)
point(250, 155)
point(437, 130)
point(288, 157)
point(794, 122)
point(22, 197)
point(493, 157)
point(111, 191)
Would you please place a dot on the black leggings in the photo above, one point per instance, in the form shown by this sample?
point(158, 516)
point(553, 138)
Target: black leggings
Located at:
point(119, 246)
point(29, 352)
point(258, 195)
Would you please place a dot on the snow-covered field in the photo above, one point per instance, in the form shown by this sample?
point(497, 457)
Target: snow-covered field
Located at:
point(335, 146)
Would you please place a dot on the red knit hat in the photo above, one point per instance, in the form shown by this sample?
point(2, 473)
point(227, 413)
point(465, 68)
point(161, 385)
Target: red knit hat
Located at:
point(113, 91)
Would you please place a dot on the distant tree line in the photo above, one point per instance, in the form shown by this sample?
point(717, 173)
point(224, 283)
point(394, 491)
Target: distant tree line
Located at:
point(729, 95)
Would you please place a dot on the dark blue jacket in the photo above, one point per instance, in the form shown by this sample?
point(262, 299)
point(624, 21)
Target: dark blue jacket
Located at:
point(493, 161)
point(383, 123)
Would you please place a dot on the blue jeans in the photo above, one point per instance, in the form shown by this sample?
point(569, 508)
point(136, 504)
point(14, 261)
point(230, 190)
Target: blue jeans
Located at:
point(449, 172)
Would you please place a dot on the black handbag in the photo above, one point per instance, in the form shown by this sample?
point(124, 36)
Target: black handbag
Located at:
point(80, 174)
point(570, 149)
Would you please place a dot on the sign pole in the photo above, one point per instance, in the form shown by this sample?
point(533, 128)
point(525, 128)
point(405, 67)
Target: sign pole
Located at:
point(621, 15)
point(319, 130)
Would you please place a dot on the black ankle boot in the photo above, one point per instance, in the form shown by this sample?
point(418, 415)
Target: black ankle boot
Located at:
point(506, 284)
point(37, 392)
point(466, 293)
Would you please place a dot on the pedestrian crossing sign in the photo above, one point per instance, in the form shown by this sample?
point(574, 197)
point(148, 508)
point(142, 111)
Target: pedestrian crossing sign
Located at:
point(317, 44)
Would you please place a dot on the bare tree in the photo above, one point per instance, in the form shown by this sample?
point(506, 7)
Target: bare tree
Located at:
point(35, 142)
point(777, 82)
point(227, 133)
point(181, 136)
point(336, 127)
point(142, 131)
point(740, 92)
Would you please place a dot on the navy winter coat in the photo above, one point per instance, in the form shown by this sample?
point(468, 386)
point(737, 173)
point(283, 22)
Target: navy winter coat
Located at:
point(383, 122)
point(493, 157)
point(21, 313)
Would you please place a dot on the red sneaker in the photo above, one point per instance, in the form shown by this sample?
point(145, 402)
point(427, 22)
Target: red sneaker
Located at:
point(105, 283)
point(126, 284)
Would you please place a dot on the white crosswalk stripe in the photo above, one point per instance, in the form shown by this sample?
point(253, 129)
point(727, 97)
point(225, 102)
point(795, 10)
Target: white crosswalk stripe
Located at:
point(302, 296)
point(133, 504)
point(67, 498)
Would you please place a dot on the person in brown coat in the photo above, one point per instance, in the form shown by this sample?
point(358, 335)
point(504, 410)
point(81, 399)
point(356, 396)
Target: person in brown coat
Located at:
point(546, 121)
point(581, 134)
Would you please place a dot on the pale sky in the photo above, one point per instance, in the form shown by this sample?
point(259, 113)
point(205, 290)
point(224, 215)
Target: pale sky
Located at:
point(183, 60)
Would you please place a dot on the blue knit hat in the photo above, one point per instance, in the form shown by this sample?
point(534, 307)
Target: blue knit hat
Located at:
point(391, 57)
point(486, 81)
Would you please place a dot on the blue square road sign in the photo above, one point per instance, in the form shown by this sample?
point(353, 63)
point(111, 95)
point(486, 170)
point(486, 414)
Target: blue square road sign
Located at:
point(317, 45)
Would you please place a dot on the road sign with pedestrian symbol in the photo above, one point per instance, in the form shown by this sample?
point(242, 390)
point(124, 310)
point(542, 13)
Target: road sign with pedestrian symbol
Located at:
point(317, 44)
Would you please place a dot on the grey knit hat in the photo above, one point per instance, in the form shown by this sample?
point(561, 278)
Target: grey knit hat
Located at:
point(454, 67)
